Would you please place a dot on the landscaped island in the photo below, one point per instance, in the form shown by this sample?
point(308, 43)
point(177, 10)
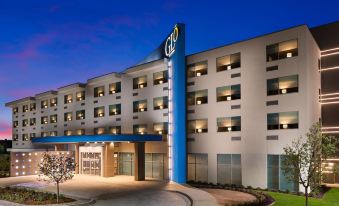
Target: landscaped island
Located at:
point(30, 197)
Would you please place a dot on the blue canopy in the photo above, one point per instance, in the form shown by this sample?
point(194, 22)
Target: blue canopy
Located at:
point(99, 138)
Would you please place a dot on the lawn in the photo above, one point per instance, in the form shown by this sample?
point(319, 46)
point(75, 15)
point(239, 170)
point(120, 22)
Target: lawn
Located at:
point(331, 198)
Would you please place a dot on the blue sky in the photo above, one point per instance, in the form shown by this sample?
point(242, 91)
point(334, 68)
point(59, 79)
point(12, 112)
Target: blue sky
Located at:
point(48, 44)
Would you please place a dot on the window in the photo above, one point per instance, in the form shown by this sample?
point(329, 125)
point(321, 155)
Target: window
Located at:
point(228, 93)
point(282, 120)
point(197, 97)
point(197, 69)
point(229, 169)
point(228, 62)
point(53, 133)
point(68, 98)
point(53, 102)
point(282, 50)
point(24, 122)
point(229, 124)
point(25, 137)
point(54, 118)
point(15, 124)
point(140, 82)
point(115, 88)
point(160, 128)
point(68, 116)
point(44, 120)
point(44, 134)
point(276, 178)
point(282, 85)
point(32, 107)
point(32, 121)
point(15, 137)
point(197, 126)
point(68, 132)
point(80, 96)
point(25, 108)
point(99, 112)
point(115, 129)
point(80, 132)
point(31, 136)
point(160, 103)
point(126, 163)
point(114, 109)
point(197, 167)
point(140, 106)
point(15, 110)
point(99, 130)
point(99, 91)
point(80, 115)
point(160, 77)
point(154, 165)
point(140, 129)
point(44, 104)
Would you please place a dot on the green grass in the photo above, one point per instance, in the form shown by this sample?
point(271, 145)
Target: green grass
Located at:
point(331, 198)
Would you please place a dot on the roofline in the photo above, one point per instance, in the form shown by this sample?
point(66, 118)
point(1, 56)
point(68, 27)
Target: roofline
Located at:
point(74, 84)
point(25, 99)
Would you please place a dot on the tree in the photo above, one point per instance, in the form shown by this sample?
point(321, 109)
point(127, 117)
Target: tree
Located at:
point(56, 168)
point(304, 157)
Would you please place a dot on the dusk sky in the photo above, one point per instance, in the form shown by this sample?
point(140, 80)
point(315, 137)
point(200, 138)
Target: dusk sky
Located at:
point(48, 44)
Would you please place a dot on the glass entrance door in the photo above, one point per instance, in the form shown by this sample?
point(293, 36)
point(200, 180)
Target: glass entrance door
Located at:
point(91, 163)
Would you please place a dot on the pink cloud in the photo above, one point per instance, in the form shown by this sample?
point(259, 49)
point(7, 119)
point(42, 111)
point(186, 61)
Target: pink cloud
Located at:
point(5, 130)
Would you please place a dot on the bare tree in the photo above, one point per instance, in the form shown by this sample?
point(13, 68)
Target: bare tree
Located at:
point(56, 168)
point(303, 159)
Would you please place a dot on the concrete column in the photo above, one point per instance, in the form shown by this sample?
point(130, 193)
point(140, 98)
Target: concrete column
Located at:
point(76, 156)
point(139, 161)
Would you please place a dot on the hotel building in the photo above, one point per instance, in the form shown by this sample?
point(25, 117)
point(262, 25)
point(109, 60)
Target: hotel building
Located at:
point(222, 115)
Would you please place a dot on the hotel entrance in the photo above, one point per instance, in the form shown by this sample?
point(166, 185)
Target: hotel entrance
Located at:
point(91, 163)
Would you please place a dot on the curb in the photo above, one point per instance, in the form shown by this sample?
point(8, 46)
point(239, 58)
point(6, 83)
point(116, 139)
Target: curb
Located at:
point(184, 194)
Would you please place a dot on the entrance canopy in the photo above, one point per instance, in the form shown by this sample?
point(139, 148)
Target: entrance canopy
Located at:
point(98, 138)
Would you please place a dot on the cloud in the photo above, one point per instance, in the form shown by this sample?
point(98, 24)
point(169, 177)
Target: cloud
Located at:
point(5, 130)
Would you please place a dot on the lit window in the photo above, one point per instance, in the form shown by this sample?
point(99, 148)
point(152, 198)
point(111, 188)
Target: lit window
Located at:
point(282, 85)
point(54, 133)
point(68, 132)
point(160, 128)
point(32, 107)
point(99, 91)
point(44, 104)
point(15, 137)
point(80, 96)
point(228, 62)
point(68, 98)
point(54, 102)
point(115, 88)
point(197, 69)
point(25, 108)
point(31, 136)
point(80, 115)
point(140, 129)
point(114, 109)
point(32, 121)
point(68, 116)
point(197, 126)
point(80, 132)
point(25, 137)
point(15, 110)
point(160, 77)
point(140, 82)
point(197, 97)
point(140, 106)
point(100, 130)
point(229, 124)
point(282, 120)
point(15, 124)
point(282, 50)
point(44, 120)
point(54, 118)
point(99, 112)
point(160, 103)
point(227, 93)
point(115, 130)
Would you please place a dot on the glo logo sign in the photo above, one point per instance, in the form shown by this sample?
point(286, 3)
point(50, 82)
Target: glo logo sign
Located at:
point(171, 41)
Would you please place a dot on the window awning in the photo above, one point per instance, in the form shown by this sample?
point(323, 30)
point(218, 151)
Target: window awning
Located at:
point(98, 138)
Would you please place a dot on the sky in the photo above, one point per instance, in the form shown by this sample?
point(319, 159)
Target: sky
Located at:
point(48, 44)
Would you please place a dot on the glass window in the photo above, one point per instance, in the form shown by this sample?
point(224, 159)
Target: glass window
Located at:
point(25, 108)
point(282, 120)
point(53, 102)
point(140, 82)
point(25, 137)
point(80, 115)
point(15, 124)
point(140, 129)
point(80, 132)
point(160, 77)
point(99, 130)
point(99, 91)
point(114, 109)
point(99, 112)
point(115, 88)
point(229, 124)
point(197, 126)
point(24, 122)
point(140, 106)
point(15, 110)
point(282, 50)
point(44, 104)
point(44, 134)
point(227, 93)
point(197, 69)
point(44, 120)
point(160, 103)
point(80, 96)
point(197, 97)
point(160, 128)
point(54, 133)
point(197, 167)
point(32, 107)
point(228, 62)
point(282, 85)
point(229, 169)
point(68, 116)
point(15, 137)
point(54, 118)
point(154, 165)
point(68, 132)
point(68, 98)
point(115, 129)
point(126, 163)
point(32, 121)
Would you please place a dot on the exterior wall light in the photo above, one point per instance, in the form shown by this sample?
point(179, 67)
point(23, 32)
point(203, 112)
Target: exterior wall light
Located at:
point(199, 130)
point(198, 74)
point(199, 102)
point(229, 67)
point(289, 54)
point(285, 126)
point(283, 91)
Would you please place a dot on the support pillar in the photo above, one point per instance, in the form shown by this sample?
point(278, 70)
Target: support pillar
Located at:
point(139, 161)
point(76, 158)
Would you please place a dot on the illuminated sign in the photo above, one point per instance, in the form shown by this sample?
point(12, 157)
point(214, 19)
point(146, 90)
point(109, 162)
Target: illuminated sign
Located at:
point(171, 41)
